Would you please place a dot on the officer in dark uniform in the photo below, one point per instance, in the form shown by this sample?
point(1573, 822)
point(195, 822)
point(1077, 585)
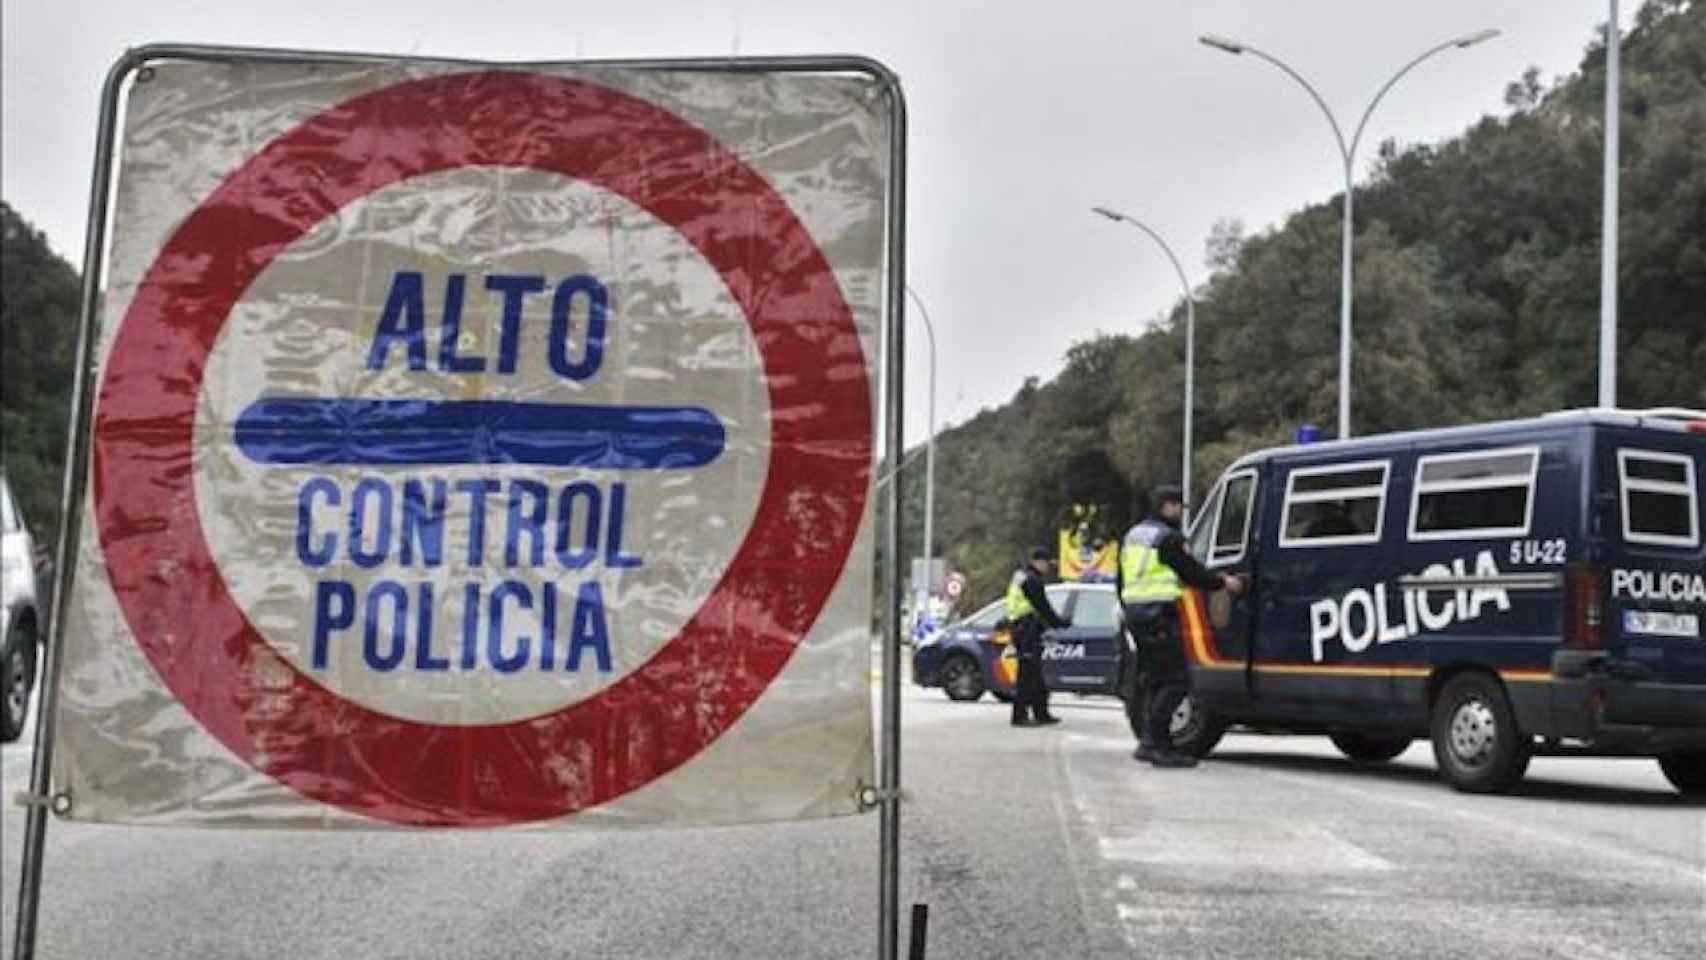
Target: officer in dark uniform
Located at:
point(1153, 563)
point(1028, 614)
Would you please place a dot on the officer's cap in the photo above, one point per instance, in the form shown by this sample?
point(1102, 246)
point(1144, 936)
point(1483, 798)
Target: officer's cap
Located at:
point(1041, 553)
point(1167, 493)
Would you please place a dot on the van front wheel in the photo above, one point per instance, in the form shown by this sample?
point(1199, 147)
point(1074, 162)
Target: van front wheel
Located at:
point(1476, 741)
point(1196, 729)
point(1686, 771)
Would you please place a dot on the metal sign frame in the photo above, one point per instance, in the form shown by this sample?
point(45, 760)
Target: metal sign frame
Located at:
point(886, 796)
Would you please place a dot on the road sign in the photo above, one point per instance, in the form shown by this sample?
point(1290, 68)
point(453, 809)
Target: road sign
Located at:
point(476, 447)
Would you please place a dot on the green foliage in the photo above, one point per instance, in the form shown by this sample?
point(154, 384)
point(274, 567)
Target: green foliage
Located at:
point(39, 295)
point(1476, 292)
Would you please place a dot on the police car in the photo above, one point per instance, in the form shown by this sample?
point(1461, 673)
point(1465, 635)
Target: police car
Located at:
point(1529, 587)
point(974, 655)
point(20, 624)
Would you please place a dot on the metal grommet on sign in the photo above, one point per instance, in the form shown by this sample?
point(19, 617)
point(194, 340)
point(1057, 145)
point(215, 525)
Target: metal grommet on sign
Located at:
point(145, 75)
point(872, 797)
point(61, 804)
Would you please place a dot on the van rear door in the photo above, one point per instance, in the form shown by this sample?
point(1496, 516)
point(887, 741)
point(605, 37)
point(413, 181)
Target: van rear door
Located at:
point(1649, 486)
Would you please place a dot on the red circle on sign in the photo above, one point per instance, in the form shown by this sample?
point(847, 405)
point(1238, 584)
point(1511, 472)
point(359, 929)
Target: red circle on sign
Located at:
point(644, 725)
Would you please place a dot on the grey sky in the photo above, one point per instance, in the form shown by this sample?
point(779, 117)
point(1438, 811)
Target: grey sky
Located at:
point(1023, 117)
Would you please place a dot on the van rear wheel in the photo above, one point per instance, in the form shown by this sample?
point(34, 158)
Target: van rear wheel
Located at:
point(1686, 771)
point(1365, 749)
point(1476, 741)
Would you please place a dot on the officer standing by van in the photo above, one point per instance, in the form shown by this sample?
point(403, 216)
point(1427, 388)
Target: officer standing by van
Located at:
point(1029, 613)
point(1153, 564)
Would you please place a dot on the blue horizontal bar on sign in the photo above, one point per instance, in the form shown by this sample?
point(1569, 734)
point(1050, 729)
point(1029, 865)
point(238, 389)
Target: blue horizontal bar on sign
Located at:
point(351, 431)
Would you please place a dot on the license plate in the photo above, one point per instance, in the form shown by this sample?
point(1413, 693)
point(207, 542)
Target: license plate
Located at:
point(1658, 623)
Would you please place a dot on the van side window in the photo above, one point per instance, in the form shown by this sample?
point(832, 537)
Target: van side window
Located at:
point(1334, 506)
point(1232, 527)
point(1485, 493)
point(1660, 502)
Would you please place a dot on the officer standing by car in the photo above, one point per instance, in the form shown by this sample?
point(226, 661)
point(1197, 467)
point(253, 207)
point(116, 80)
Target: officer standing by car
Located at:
point(1153, 563)
point(1028, 614)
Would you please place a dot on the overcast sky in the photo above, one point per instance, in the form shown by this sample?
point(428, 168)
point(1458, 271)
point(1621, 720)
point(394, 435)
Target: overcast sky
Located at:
point(1023, 116)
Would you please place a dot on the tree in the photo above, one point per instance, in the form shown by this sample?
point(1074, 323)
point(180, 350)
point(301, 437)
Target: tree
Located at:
point(39, 294)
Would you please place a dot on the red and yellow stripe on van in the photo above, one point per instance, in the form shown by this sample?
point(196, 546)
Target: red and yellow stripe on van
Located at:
point(1202, 652)
point(1200, 648)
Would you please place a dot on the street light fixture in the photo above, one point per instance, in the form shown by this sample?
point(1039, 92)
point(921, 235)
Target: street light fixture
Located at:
point(1190, 342)
point(1348, 154)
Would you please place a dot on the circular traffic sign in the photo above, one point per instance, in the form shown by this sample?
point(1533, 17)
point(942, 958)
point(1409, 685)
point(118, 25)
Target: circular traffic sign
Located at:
point(179, 604)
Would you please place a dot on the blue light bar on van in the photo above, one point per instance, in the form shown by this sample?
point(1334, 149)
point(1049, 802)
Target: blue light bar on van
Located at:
point(1308, 433)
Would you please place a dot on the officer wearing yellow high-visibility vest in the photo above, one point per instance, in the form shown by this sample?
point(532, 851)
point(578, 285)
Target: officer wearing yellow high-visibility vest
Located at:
point(1153, 565)
point(1028, 614)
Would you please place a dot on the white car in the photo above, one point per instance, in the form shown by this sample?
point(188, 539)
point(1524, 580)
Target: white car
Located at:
point(20, 627)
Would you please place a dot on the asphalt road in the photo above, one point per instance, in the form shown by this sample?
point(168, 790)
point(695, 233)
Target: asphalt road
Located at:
point(1044, 842)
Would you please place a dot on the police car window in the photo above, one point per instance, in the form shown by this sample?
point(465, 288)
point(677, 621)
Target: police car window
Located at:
point(986, 618)
point(1479, 494)
point(1233, 524)
point(1058, 596)
point(1331, 506)
point(1097, 609)
point(1660, 499)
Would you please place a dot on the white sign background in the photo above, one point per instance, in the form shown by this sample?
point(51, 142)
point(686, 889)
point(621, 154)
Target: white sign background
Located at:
point(129, 752)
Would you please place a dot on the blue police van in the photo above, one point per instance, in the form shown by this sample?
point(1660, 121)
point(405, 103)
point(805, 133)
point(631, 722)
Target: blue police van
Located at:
point(1528, 587)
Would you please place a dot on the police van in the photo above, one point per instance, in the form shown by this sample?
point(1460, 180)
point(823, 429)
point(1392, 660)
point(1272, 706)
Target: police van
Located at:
point(1510, 589)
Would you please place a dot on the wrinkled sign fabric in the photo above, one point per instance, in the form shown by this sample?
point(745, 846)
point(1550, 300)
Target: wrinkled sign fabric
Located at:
point(481, 447)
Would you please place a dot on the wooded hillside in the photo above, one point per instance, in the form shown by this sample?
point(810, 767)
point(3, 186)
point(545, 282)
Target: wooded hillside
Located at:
point(1476, 298)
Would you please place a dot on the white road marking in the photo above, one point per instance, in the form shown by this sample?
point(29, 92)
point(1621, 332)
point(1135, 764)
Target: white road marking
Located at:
point(1137, 847)
point(1505, 824)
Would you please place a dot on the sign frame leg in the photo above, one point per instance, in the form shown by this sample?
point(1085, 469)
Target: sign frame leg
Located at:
point(38, 799)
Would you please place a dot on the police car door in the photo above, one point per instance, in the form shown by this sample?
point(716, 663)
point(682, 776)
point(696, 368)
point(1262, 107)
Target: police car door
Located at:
point(1085, 656)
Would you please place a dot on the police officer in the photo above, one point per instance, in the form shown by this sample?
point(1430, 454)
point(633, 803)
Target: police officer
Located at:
point(1153, 563)
point(1028, 614)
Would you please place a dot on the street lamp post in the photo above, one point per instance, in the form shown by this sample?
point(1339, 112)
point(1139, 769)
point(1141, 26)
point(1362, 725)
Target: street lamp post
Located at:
point(1190, 344)
point(930, 447)
point(1608, 223)
point(1347, 153)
